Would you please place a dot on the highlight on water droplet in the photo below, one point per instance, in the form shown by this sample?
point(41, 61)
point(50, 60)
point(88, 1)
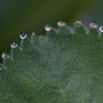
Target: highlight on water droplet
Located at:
point(4, 55)
point(23, 35)
point(14, 45)
point(93, 25)
point(60, 23)
point(78, 23)
point(101, 28)
point(48, 27)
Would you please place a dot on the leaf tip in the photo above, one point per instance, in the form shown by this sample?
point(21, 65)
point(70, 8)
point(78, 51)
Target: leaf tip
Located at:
point(33, 34)
point(78, 23)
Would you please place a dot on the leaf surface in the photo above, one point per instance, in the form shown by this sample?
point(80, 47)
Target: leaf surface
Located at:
point(63, 67)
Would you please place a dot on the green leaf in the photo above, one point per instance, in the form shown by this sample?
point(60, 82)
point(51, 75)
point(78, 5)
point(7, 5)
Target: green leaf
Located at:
point(63, 67)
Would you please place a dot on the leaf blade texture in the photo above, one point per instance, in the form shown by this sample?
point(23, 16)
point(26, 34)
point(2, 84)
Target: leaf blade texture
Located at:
point(62, 67)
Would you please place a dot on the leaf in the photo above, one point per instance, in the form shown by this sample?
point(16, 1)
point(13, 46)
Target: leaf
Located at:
point(63, 67)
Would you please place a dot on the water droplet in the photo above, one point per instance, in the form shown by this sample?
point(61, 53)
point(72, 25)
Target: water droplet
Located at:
point(101, 28)
point(23, 35)
point(14, 45)
point(5, 55)
point(48, 27)
point(61, 23)
point(93, 25)
point(78, 23)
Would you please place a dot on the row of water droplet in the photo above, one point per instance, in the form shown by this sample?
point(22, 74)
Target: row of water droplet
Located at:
point(23, 35)
point(93, 25)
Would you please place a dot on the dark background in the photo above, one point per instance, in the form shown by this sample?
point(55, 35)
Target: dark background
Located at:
point(18, 16)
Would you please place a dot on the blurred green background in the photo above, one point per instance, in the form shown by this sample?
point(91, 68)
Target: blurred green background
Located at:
point(18, 16)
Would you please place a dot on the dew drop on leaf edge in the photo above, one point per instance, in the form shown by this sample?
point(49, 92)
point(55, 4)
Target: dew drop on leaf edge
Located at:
point(5, 55)
point(78, 23)
point(23, 35)
point(14, 45)
point(101, 28)
point(93, 25)
point(60, 23)
point(48, 27)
